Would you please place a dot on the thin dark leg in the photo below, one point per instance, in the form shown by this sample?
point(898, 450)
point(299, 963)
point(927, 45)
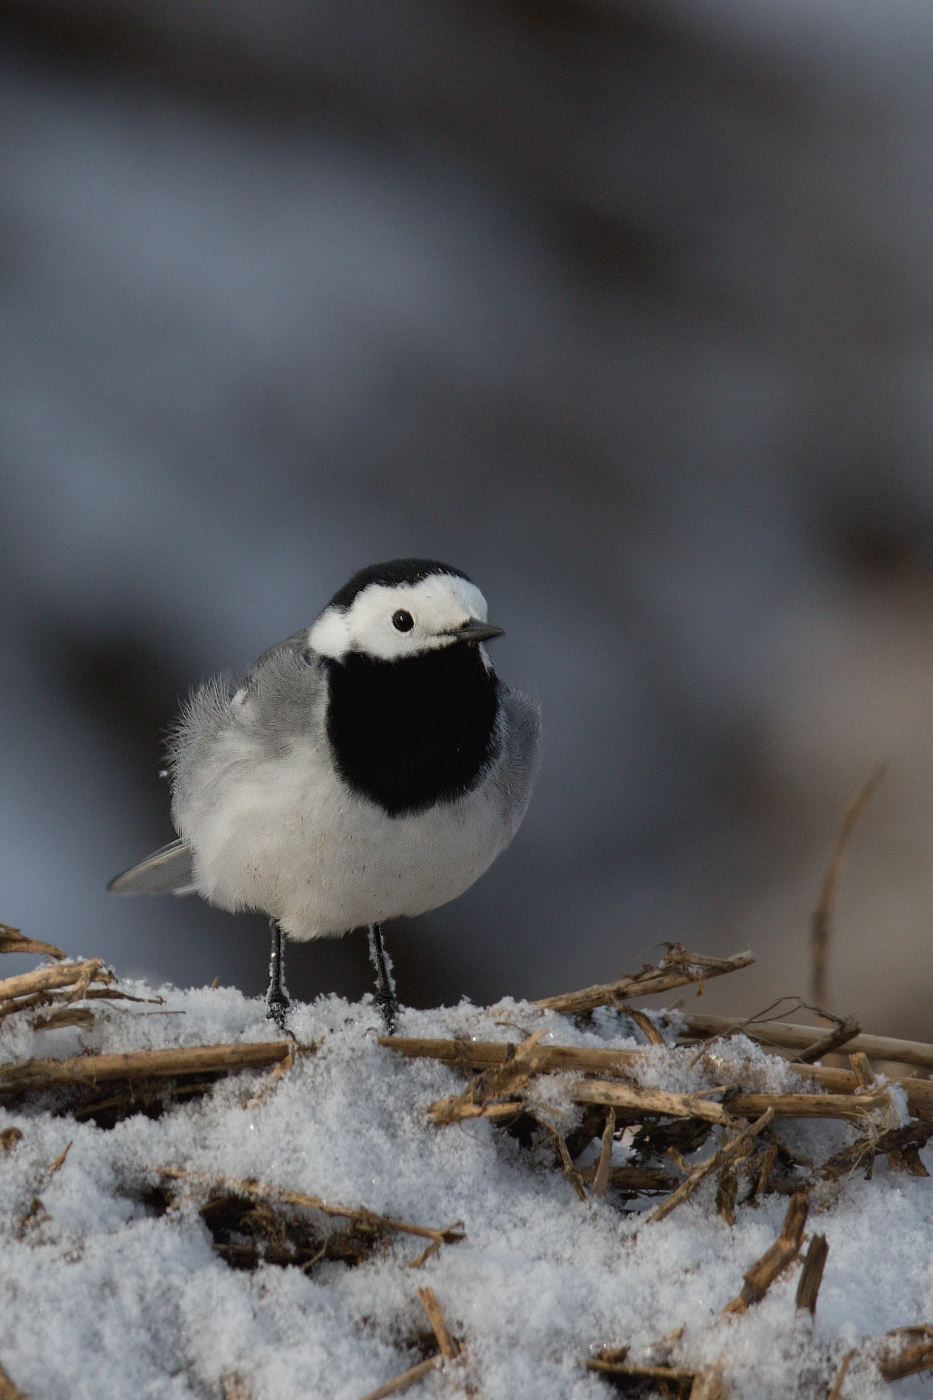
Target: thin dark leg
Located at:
point(277, 1002)
point(385, 983)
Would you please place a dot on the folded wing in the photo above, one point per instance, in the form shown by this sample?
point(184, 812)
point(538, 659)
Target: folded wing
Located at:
point(169, 870)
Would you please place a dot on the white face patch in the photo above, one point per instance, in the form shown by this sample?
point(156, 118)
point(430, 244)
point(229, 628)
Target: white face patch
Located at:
point(437, 606)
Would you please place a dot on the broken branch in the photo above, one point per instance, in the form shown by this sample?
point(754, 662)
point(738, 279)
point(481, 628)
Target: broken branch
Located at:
point(142, 1064)
point(812, 1274)
point(677, 969)
point(407, 1378)
point(727, 1153)
point(453, 1234)
point(759, 1278)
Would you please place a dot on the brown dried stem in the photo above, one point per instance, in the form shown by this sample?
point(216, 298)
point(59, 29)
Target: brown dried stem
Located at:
point(832, 1040)
point(9, 1391)
point(450, 1347)
point(677, 1376)
point(491, 1086)
point(812, 1274)
point(407, 1378)
point(823, 914)
point(787, 1036)
point(707, 1386)
point(44, 979)
point(727, 1153)
point(911, 1359)
point(452, 1234)
point(601, 1179)
point(761, 1275)
point(12, 941)
point(677, 969)
point(840, 1376)
point(142, 1064)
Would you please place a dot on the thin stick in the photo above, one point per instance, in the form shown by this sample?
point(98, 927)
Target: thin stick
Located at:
point(644, 1101)
point(675, 1375)
point(601, 1179)
point(761, 1275)
point(9, 1391)
point(477, 1053)
point(492, 1085)
point(45, 978)
point(812, 1274)
point(750, 1020)
point(707, 1386)
point(644, 1023)
point(911, 1360)
point(12, 941)
point(403, 1381)
point(862, 1071)
point(451, 1235)
point(840, 1376)
point(678, 969)
point(832, 1040)
point(450, 1349)
point(727, 1153)
point(823, 914)
point(142, 1064)
point(851, 1107)
point(788, 1036)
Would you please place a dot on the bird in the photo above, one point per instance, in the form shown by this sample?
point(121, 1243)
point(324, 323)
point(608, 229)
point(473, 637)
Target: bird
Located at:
point(369, 767)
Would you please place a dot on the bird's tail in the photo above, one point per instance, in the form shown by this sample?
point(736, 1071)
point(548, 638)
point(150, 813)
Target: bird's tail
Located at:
point(170, 870)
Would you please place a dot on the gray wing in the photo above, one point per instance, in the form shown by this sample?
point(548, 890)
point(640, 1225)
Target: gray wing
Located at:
point(169, 870)
point(520, 748)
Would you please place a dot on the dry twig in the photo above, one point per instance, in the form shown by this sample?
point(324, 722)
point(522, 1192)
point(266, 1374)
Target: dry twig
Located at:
point(708, 1385)
point(812, 1274)
point(12, 941)
point(452, 1234)
point(235, 1386)
point(823, 914)
point(450, 1347)
point(894, 1365)
point(761, 1275)
point(45, 979)
point(9, 1391)
point(678, 1377)
point(601, 1179)
point(840, 1376)
point(407, 1378)
point(677, 968)
point(787, 1036)
point(727, 1153)
point(489, 1088)
point(832, 1040)
point(142, 1064)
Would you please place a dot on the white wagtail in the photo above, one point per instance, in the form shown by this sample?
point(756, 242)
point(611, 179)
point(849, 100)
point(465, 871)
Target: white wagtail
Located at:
point(372, 765)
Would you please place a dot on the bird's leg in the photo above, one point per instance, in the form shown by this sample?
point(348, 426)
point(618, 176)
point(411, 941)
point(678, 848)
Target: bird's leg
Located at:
point(277, 1003)
point(385, 983)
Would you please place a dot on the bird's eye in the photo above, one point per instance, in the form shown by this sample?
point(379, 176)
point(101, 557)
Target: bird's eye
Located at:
point(403, 621)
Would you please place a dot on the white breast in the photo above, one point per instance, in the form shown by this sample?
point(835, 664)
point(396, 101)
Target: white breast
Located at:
point(286, 836)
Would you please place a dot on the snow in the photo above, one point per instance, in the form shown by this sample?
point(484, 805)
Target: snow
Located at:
point(103, 1296)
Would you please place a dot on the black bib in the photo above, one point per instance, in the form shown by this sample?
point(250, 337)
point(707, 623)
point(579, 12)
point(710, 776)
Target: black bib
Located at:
point(409, 733)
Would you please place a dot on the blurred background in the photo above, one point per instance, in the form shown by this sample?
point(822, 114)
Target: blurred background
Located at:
point(624, 308)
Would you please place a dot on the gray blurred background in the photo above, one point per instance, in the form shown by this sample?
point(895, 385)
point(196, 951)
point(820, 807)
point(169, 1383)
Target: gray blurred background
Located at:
point(624, 308)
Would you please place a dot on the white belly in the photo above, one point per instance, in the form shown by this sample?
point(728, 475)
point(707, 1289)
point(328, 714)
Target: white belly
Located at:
point(285, 836)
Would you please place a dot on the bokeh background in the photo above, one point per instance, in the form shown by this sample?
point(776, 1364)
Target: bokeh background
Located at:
point(624, 308)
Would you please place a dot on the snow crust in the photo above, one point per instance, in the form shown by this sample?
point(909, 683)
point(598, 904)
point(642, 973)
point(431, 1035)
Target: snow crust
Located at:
point(103, 1299)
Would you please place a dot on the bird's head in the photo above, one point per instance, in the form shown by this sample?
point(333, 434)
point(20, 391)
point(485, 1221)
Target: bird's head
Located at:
point(400, 609)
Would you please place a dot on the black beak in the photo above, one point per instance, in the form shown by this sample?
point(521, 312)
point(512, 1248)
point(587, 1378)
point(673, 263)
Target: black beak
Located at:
point(476, 632)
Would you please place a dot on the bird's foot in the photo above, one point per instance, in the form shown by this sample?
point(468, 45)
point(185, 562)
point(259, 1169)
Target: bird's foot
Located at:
point(388, 1009)
point(277, 1009)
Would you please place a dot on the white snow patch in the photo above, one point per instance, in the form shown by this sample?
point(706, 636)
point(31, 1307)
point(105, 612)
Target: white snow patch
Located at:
point(101, 1298)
